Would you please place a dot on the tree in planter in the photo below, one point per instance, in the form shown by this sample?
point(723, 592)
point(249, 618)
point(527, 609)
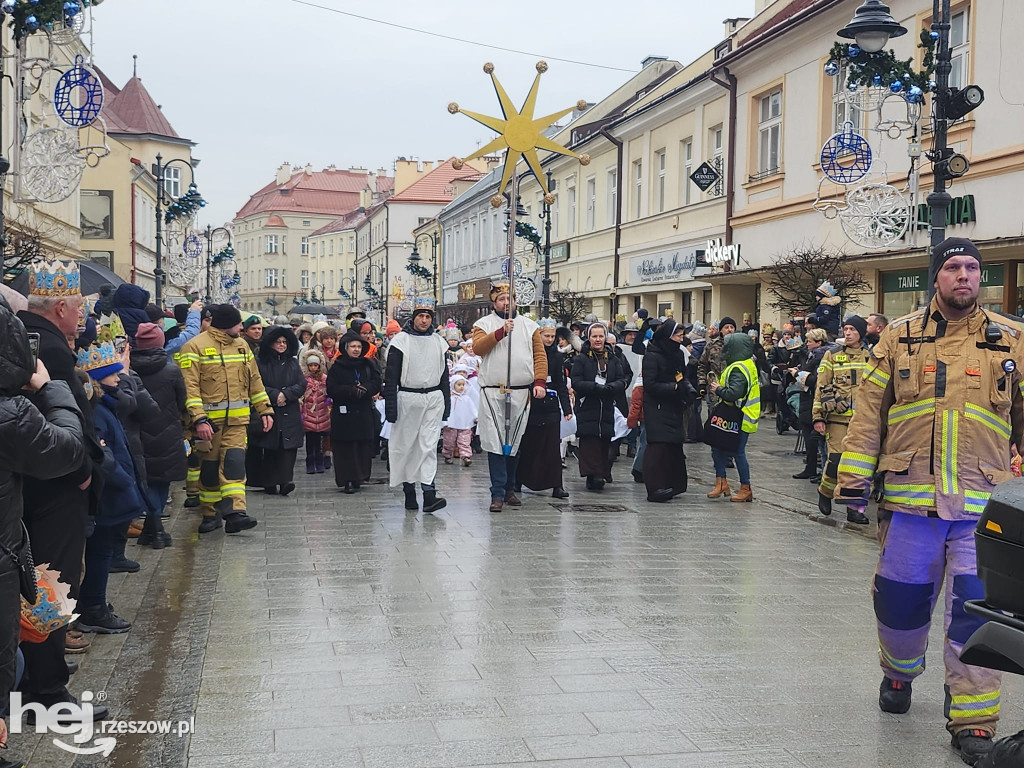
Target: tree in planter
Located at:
point(569, 305)
point(794, 276)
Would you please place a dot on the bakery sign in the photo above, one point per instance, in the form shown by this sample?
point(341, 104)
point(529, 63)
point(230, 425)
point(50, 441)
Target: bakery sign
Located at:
point(472, 291)
point(664, 267)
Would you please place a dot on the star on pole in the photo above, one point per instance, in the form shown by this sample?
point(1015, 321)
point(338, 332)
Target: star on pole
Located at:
point(520, 134)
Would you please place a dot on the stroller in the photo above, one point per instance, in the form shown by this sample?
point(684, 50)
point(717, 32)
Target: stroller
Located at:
point(787, 414)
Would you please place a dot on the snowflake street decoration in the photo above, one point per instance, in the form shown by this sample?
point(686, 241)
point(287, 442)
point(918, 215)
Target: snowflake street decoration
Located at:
point(505, 270)
point(182, 271)
point(876, 215)
point(78, 95)
point(51, 167)
point(846, 157)
point(526, 291)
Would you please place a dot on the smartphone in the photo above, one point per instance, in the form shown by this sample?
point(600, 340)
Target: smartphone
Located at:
point(120, 343)
point(33, 348)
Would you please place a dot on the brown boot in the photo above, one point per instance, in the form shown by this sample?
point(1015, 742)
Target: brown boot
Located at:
point(721, 488)
point(745, 494)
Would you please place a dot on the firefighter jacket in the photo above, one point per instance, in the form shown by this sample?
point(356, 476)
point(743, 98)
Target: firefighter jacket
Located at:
point(222, 382)
point(941, 403)
point(840, 375)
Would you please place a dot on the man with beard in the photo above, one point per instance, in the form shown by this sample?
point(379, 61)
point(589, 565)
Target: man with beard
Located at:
point(496, 337)
point(940, 406)
point(417, 398)
point(222, 386)
point(876, 324)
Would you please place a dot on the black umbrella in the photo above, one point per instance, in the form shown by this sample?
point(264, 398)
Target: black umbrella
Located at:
point(312, 309)
point(94, 276)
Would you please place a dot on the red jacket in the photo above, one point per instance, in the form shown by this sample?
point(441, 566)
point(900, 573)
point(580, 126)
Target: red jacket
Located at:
point(636, 407)
point(316, 411)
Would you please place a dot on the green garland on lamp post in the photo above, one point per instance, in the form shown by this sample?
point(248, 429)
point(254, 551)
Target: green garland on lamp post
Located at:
point(884, 70)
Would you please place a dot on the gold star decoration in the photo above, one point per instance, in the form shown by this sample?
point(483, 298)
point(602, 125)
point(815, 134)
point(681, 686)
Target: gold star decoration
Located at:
point(520, 134)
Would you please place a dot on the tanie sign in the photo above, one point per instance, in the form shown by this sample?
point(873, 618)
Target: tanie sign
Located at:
point(704, 176)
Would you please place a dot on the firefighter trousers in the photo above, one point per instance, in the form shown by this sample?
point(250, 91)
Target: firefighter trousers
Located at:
point(917, 555)
point(192, 477)
point(835, 433)
point(222, 470)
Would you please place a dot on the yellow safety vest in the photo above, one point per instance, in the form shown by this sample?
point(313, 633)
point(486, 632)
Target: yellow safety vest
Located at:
point(752, 407)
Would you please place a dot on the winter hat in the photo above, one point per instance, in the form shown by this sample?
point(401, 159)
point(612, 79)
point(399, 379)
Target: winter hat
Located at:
point(954, 246)
point(392, 327)
point(180, 313)
point(727, 321)
point(313, 359)
point(149, 336)
point(154, 313)
point(859, 323)
point(699, 329)
point(224, 316)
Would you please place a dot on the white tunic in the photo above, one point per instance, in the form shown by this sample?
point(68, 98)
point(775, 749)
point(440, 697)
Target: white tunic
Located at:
point(493, 373)
point(412, 446)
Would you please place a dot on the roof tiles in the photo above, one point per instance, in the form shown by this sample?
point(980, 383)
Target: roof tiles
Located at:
point(436, 186)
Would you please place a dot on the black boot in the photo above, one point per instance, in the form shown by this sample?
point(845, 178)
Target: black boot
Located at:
point(210, 523)
point(310, 464)
point(824, 504)
point(410, 496)
point(805, 475)
point(856, 516)
point(350, 487)
point(191, 502)
point(973, 744)
point(599, 483)
point(661, 495)
point(237, 522)
point(432, 502)
point(560, 493)
point(638, 477)
point(894, 696)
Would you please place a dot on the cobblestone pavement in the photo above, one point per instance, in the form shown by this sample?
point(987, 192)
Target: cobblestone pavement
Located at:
point(603, 632)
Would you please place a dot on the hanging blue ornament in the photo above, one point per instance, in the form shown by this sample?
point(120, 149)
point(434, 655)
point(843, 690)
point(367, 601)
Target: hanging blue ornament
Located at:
point(932, 85)
point(832, 68)
point(896, 86)
point(31, 23)
point(852, 87)
point(877, 79)
point(853, 50)
point(915, 95)
point(907, 77)
point(33, 2)
point(78, 95)
point(71, 8)
point(933, 35)
point(8, 6)
point(846, 157)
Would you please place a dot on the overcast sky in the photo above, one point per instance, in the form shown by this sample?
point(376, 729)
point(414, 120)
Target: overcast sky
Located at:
point(259, 82)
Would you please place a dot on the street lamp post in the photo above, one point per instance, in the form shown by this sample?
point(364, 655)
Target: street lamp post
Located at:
point(872, 26)
point(163, 197)
point(415, 257)
point(210, 232)
point(545, 294)
point(377, 299)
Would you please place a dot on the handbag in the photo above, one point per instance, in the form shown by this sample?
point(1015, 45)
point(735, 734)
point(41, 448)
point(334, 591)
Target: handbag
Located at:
point(22, 560)
point(723, 425)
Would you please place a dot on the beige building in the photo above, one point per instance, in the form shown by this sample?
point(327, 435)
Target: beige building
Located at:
point(273, 230)
point(787, 107)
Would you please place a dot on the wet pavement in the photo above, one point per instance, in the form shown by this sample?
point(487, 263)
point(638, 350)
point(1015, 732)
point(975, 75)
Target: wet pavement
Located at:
point(599, 632)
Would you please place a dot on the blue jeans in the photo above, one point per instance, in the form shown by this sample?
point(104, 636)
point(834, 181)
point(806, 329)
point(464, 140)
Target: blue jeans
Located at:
point(720, 458)
point(503, 474)
point(156, 494)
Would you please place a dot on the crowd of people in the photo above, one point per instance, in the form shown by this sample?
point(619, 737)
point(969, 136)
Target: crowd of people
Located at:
point(107, 404)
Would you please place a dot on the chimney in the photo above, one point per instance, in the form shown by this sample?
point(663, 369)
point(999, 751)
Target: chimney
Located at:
point(652, 60)
point(308, 170)
point(365, 197)
point(731, 25)
point(284, 173)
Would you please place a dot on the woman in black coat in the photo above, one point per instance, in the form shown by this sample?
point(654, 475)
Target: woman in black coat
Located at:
point(352, 383)
point(599, 380)
point(163, 442)
point(285, 384)
point(667, 395)
point(540, 465)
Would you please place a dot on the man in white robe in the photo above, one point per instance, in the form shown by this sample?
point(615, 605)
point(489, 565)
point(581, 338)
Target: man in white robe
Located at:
point(493, 337)
point(417, 399)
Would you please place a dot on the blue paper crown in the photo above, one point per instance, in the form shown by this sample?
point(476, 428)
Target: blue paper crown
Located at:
point(425, 302)
point(547, 322)
point(98, 356)
point(54, 278)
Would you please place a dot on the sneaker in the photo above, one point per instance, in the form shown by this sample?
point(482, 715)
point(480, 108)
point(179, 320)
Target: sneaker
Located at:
point(210, 523)
point(448, 460)
point(102, 621)
point(973, 744)
point(239, 521)
point(76, 642)
point(467, 462)
point(121, 564)
point(894, 696)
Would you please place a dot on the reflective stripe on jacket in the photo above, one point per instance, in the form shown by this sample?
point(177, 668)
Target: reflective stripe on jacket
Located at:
point(222, 382)
point(752, 406)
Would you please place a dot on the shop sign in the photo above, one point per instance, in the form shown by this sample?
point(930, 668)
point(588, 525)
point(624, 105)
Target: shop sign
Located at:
point(962, 210)
point(477, 289)
point(917, 279)
point(704, 176)
point(663, 267)
point(720, 254)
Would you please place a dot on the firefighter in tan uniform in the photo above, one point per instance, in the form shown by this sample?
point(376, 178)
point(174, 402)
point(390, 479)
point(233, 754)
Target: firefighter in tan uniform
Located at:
point(839, 377)
point(222, 384)
point(941, 406)
point(192, 478)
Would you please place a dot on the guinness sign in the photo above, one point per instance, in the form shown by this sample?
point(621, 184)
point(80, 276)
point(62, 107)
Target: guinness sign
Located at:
point(704, 176)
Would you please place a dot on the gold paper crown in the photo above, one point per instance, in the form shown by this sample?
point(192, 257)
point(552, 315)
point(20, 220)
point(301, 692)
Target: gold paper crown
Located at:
point(110, 329)
point(98, 355)
point(54, 278)
point(498, 288)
